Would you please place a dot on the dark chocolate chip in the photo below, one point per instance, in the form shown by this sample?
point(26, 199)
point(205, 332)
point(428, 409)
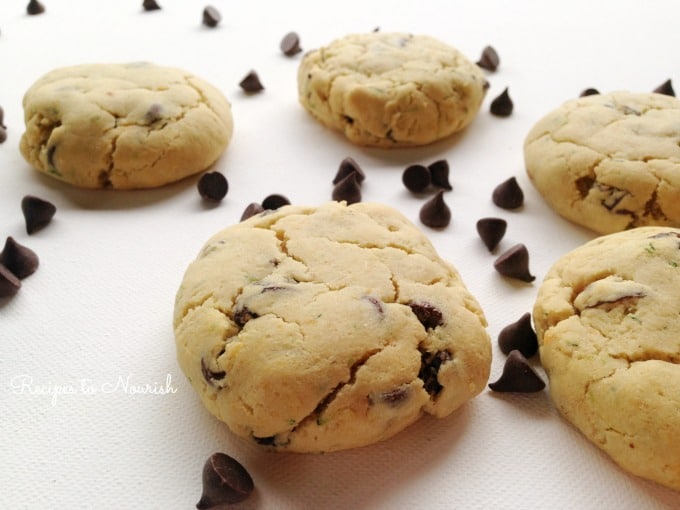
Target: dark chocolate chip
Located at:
point(347, 189)
point(491, 231)
point(211, 16)
point(9, 283)
point(274, 201)
point(37, 212)
point(265, 441)
point(589, 92)
point(244, 315)
point(150, 5)
point(346, 167)
point(251, 210)
point(514, 263)
point(3, 134)
point(508, 194)
point(35, 7)
point(290, 44)
point(210, 375)
point(430, 363)
point(489, 59)
point(416, 178)
point(502, 105)
point(519, 336)
point(428, 315)
point(19, 259)
point(213, 186)
point(154, 113)
point(665, 88)
point(393, 398)
point(225, 482)
point(2, 117)
point(517, 376)
point(439, 174)
point(251, 83)
point(435, 213)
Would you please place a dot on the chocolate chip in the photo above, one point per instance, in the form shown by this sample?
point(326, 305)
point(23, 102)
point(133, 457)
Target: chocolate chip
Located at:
point(416, 178)
point(439, 174)
point(514, 263)
point(213, 186)
point(290, 44)
point(519, 336)
point(2, 118)
point(225, 482)
point(517, 376)
point(392, 398)
point(3, 134)
point(265, 441)
point(251, 210)
point(508, 194)
point(430, 363)
point(665, 88)
point(154, 113)
point(251, 83)
point(244, 315)
point(428, 315)
point(19, 259)
point(9, 283)
point(491, 231)
point(589, 92)
point(35, 7)
point(150, 5)
point(347, 189)
point(489, 59)
point(211, 16)
point(347, 166)
point(435, 213)
point(274, 201)
point(502, 105)
point(211, 376)
point(37, 212)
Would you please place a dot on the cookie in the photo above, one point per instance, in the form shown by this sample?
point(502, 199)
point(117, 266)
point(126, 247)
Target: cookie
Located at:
point(123, 126)
point(609, 162)
point(318, 329)
point(391, 89)
point(607, 318)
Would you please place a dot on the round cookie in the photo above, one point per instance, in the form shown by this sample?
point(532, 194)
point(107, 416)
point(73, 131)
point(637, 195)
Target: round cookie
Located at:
point(123, 126)
point(609, 162)
point(607, 318)
point(319, 329)
point(391, 89)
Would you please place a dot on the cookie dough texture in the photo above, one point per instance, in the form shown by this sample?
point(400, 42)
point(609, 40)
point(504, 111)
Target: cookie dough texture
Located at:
point(609, 162)
point(123, 126)
point(391, 89)
point(319, 329)
point(607, 317)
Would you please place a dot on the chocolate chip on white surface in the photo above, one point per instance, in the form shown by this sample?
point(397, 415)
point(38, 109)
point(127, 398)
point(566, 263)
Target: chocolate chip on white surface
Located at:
point(9, 283)
point(290, 44)
point(251, 83)
point(150, 5)
point(439, 174)
point(347, 166)
point(211, 16)
point(517, 376)
point(19, 259)
point(213, 186)
point(491, 231)
point(435, 213)
point(520, 336)
point(274, 201)
point(37, 212)
point(502, 105)
point(35, 7)
point(514, 263)
point(665, 88)
point(489, 59)
point(347, 190)
point(225, 482)
point(508, 194)
point(416, 178)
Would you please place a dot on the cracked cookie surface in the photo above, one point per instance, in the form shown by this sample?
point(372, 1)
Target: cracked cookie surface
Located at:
point(123, 126)
point(318, 329)
point(391, 89)
point(609, 162)
point(607, 318)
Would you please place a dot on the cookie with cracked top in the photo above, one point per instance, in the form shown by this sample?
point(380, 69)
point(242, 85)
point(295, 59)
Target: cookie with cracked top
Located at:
point(607, 318)
point(123, 126)
point(609, 162)
point(391, 89)
point(314, 329)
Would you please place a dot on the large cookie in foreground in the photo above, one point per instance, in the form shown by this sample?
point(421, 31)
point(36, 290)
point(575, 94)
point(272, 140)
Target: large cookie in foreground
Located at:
point(319, 329)
point(123, 126)
point(609, 162)
point(391, 89)
point(607, 317)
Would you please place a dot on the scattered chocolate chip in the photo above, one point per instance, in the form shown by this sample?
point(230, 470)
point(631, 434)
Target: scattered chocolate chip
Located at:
point(665, 88)
point(589, 92)
point(514, 263)
point(489, 59)
point(517, 376)
point(502, 105)
point(251, 210)
point(392, 398)
point(251, 83)
point(274, 201)
point(347, 189)
point(265, 441)
point(150, 5)
point(435, 213)
point(508, 194)
point(428, 315)
point(430, 363)
point(211, 376)
point(491, 231)
point(37, 212)
point(347, 166)
point(35, 7)
point(225, 482)
point(290, 44)
point(19, 259)
point(244, 315)
point(3, 134)
point(9, 283)
point(213, 186)
point(211, 16)
point(439, 174)
point(519, 336)
point(416, 178)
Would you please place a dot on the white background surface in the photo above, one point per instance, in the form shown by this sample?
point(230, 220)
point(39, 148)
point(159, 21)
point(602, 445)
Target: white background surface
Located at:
point(98, 310)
